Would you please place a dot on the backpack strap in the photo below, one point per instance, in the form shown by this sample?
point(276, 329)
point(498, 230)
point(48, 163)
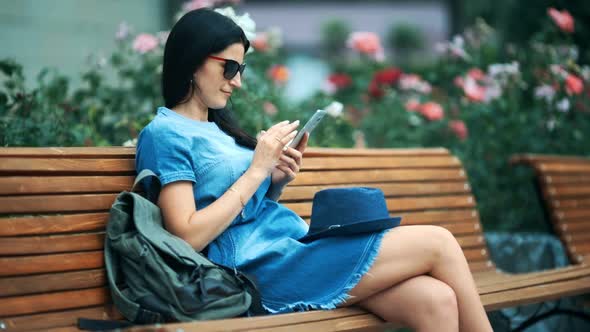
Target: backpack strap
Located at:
point(154, 186)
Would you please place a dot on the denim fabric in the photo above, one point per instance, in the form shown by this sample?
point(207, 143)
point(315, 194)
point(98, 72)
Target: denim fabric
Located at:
point(291, 276)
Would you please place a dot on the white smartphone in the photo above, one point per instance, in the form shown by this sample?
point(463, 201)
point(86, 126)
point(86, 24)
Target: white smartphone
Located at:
point(308, 128)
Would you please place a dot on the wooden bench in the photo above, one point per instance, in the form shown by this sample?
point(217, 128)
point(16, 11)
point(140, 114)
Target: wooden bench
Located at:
point(564, 185)
point(54, 206)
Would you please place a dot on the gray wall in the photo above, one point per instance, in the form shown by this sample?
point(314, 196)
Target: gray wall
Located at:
point(62, 33)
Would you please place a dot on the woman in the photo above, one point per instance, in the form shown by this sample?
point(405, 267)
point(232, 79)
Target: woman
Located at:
point(220, 188)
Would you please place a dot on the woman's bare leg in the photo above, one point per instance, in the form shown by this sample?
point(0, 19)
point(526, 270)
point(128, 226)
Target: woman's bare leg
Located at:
point(422, 303)
point(410, 251)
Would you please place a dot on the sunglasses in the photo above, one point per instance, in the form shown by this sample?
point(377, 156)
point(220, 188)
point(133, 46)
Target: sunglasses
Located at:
point(231, 67)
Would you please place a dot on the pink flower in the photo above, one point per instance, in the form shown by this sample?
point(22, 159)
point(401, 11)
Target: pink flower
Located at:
point(474, 91)
point(458, 127)
point(432, 111)
point(269, 108)
point(145, 42)
point(414, 82)
point(365, 42)
point(573, 85)
point(563, 19)
point(412, 105)
point(196, 4)
point(260, 43)
point(476, 74)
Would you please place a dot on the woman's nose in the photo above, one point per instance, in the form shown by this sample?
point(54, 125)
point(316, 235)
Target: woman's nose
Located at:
point(236, 81)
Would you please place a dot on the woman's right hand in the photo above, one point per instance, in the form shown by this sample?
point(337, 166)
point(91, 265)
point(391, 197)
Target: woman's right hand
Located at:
point(270, 146)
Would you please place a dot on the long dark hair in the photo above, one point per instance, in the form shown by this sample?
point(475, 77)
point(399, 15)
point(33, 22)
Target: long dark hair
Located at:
point(195, 36)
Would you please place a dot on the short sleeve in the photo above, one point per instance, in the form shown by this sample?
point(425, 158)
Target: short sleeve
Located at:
point(167, 153)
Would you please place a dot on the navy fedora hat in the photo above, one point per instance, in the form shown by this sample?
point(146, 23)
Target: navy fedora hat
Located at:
point(348, 211)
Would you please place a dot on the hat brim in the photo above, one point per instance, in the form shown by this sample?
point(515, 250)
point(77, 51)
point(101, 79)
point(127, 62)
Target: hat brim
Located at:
point(368, 226)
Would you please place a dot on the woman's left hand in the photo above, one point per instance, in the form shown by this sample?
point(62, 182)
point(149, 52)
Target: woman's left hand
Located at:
point(289, 164)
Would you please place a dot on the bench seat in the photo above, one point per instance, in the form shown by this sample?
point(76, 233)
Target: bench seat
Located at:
point(54, 206)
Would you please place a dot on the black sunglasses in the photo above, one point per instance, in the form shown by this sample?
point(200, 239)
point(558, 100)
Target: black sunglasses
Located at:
point(231, 67)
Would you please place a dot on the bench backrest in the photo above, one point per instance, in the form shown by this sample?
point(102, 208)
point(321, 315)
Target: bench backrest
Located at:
point(564, 184)
point(54, 206)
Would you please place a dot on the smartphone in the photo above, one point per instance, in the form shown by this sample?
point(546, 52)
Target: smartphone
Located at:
point(308, 128)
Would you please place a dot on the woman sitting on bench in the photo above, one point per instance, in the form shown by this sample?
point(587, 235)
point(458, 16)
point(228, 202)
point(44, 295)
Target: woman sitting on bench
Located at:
point(220, 188)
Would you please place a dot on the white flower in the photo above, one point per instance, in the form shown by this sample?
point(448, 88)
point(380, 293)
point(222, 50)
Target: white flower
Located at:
point(334, 109)
point(545, 92)
point(131, 142)
point(244, 21)
point(454, 47)
point(585, 72)
point(414, 82)
point(328, 87)
point(558, 70)
point(563, 105)
point(500, 69)
point(123, 31)
point(551, 124)
point(492, 91)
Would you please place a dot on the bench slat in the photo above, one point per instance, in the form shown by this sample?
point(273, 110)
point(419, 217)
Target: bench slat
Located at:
point(461, 221)
point(69, 152)
point(21, 305)
point(328, 163)
point(245, 324)
point(98, 202)
point(556, 168)
point(48, 224)
point(470, 241)
point(572, 214)
point(74, 166)
point(56, 203)
point(568, 190)
point(510, 282)
point(436, 217)
point(52, 282)
point(571, 203)
point(51, 263)
point(581, 249)
point(463, 228)
point(399, 205)
point(60, 318)
point(51, 244)
point(359, 323)
point(566, 179)
point(389, 189)
point(574, 227)
point(578, 238)
point(64, 184)
point(22, 246)
point(535, 294)
point(315, 152)
point(353, 176)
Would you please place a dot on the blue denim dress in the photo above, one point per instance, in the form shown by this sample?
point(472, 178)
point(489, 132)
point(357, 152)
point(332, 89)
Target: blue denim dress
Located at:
point(261, 242)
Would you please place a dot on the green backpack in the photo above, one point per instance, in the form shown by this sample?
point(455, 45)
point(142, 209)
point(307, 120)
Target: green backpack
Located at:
point(156, 277)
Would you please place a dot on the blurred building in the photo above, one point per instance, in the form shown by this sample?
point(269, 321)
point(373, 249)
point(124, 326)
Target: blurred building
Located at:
point(63, 33)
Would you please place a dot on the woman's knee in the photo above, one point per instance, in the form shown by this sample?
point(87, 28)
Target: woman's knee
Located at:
point(443, 241)
point(443, 302)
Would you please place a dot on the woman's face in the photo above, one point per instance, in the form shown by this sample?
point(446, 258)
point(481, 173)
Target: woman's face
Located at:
point(213, 89)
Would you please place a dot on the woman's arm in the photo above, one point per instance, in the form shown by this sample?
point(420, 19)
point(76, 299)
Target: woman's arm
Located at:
point(199, 227)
